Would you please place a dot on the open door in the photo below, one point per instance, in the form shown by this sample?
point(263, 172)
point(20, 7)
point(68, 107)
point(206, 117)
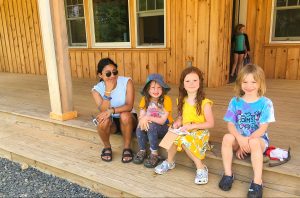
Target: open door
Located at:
point(239, 16)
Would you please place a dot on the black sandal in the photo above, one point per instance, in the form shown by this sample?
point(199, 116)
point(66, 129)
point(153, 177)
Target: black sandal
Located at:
point(106, 152)
point(127, 152)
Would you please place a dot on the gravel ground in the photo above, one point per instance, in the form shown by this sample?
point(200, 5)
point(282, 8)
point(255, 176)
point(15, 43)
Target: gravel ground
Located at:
point(15, 182)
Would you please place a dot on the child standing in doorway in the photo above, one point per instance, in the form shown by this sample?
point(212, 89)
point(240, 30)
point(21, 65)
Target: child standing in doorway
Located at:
point(194, 116)
point(248, 117)
point(241, 48)
point(154, 119)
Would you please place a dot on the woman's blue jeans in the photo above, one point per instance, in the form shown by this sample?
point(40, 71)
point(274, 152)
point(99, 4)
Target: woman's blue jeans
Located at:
point(155, 132)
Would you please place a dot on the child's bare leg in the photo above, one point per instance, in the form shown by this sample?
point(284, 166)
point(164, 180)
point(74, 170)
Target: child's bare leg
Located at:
point(235, 62)
point(198, 162)
point(229, 144)
point(171, 153)
point(240, 62)
point(257, 146)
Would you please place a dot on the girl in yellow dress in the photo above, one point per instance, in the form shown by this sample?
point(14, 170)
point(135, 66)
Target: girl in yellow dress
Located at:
point(195, 116)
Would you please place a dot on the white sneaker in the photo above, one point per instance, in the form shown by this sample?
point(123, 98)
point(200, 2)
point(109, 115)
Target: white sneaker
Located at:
point(201, 176)
point(164, 167)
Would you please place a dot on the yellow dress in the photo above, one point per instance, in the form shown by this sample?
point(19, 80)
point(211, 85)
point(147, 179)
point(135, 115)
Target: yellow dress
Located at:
point(197, 140)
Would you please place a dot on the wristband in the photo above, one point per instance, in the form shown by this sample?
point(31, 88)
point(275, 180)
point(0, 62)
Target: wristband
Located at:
point(107, 97)
point(111, 111)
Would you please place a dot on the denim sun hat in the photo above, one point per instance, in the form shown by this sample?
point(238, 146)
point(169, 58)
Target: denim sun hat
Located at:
point(157, 78)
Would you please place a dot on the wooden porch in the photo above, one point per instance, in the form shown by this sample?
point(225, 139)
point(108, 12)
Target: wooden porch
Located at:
point(70, 149)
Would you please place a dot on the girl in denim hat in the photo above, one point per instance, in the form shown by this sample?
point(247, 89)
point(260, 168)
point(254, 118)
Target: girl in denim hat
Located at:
point(155, 116)
point(195, 117)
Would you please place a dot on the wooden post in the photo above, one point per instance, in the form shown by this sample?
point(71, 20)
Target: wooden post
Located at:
point(54, 35)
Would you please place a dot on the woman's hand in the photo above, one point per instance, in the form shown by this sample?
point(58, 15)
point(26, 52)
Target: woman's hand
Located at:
point(244, 144)
point(110, 85)
point(101, 117)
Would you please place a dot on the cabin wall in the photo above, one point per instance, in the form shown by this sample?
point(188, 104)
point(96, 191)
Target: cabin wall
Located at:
point(280, 61)
point(21, 49)
point(198, 31)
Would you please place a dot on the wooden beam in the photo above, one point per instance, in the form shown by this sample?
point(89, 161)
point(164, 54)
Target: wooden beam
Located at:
point(54, 36)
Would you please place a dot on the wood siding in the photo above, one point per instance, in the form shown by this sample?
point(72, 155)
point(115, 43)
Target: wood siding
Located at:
point(197, 31)
point(280, 61)
point(21, 49)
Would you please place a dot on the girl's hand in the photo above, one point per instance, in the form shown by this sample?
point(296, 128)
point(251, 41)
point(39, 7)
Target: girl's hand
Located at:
point(176, 124)
point(144, 123)
point(240, 154)
point(188, 127)
point(244, 144)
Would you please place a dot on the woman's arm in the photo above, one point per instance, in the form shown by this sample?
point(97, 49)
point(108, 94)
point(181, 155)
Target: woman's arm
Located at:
point(102, 105)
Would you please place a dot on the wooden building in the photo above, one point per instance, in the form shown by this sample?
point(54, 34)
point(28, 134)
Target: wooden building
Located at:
point(196, 32)
point(147, 36)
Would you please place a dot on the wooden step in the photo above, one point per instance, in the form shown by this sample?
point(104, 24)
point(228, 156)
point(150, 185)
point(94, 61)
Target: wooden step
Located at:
point(78, 161)
point(273, 177)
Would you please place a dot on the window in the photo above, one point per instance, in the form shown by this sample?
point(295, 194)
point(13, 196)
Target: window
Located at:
point(111, 23)
point(150, 23)
point(75, 22)
point(286, 20)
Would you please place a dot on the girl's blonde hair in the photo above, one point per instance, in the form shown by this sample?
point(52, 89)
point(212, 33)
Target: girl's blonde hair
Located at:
point(183, 93)
point(258, 75)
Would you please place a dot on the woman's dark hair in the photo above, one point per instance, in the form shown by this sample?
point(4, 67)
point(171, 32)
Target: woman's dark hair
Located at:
point(103, 62)
point(183, 93)
point(148, 97)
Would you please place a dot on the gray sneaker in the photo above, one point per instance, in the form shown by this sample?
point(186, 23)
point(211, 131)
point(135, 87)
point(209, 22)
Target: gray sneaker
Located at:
point(164, 167)
point(201, 176)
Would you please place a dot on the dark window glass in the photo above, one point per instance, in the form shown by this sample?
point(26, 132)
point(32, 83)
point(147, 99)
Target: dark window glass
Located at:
point(142, 5)
point(75, 22)
point(292, 2)
point(77, 31)
point(75, 11)
point(281, 3)
point(159, 4)
point(151, 30)
point(150, 4)
point(287, 23)
point(151, 25)
point(111, 21)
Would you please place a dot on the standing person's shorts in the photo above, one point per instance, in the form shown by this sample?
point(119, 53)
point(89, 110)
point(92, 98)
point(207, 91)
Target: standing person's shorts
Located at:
point(240, 52)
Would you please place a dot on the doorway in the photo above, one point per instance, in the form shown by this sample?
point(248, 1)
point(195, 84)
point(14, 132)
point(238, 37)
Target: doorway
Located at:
point(239, 16)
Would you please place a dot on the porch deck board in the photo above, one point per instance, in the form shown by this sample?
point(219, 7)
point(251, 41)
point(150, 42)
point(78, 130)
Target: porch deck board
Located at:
point(28, 95)
point(80, 158)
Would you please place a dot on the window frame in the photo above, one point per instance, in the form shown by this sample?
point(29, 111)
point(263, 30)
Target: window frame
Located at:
point(149, 14)
point(274, 39)
point(76, 45)
point(107, 44)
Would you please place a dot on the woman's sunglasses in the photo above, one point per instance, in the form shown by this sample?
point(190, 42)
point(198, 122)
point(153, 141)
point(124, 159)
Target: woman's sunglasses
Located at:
point(108, 74)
